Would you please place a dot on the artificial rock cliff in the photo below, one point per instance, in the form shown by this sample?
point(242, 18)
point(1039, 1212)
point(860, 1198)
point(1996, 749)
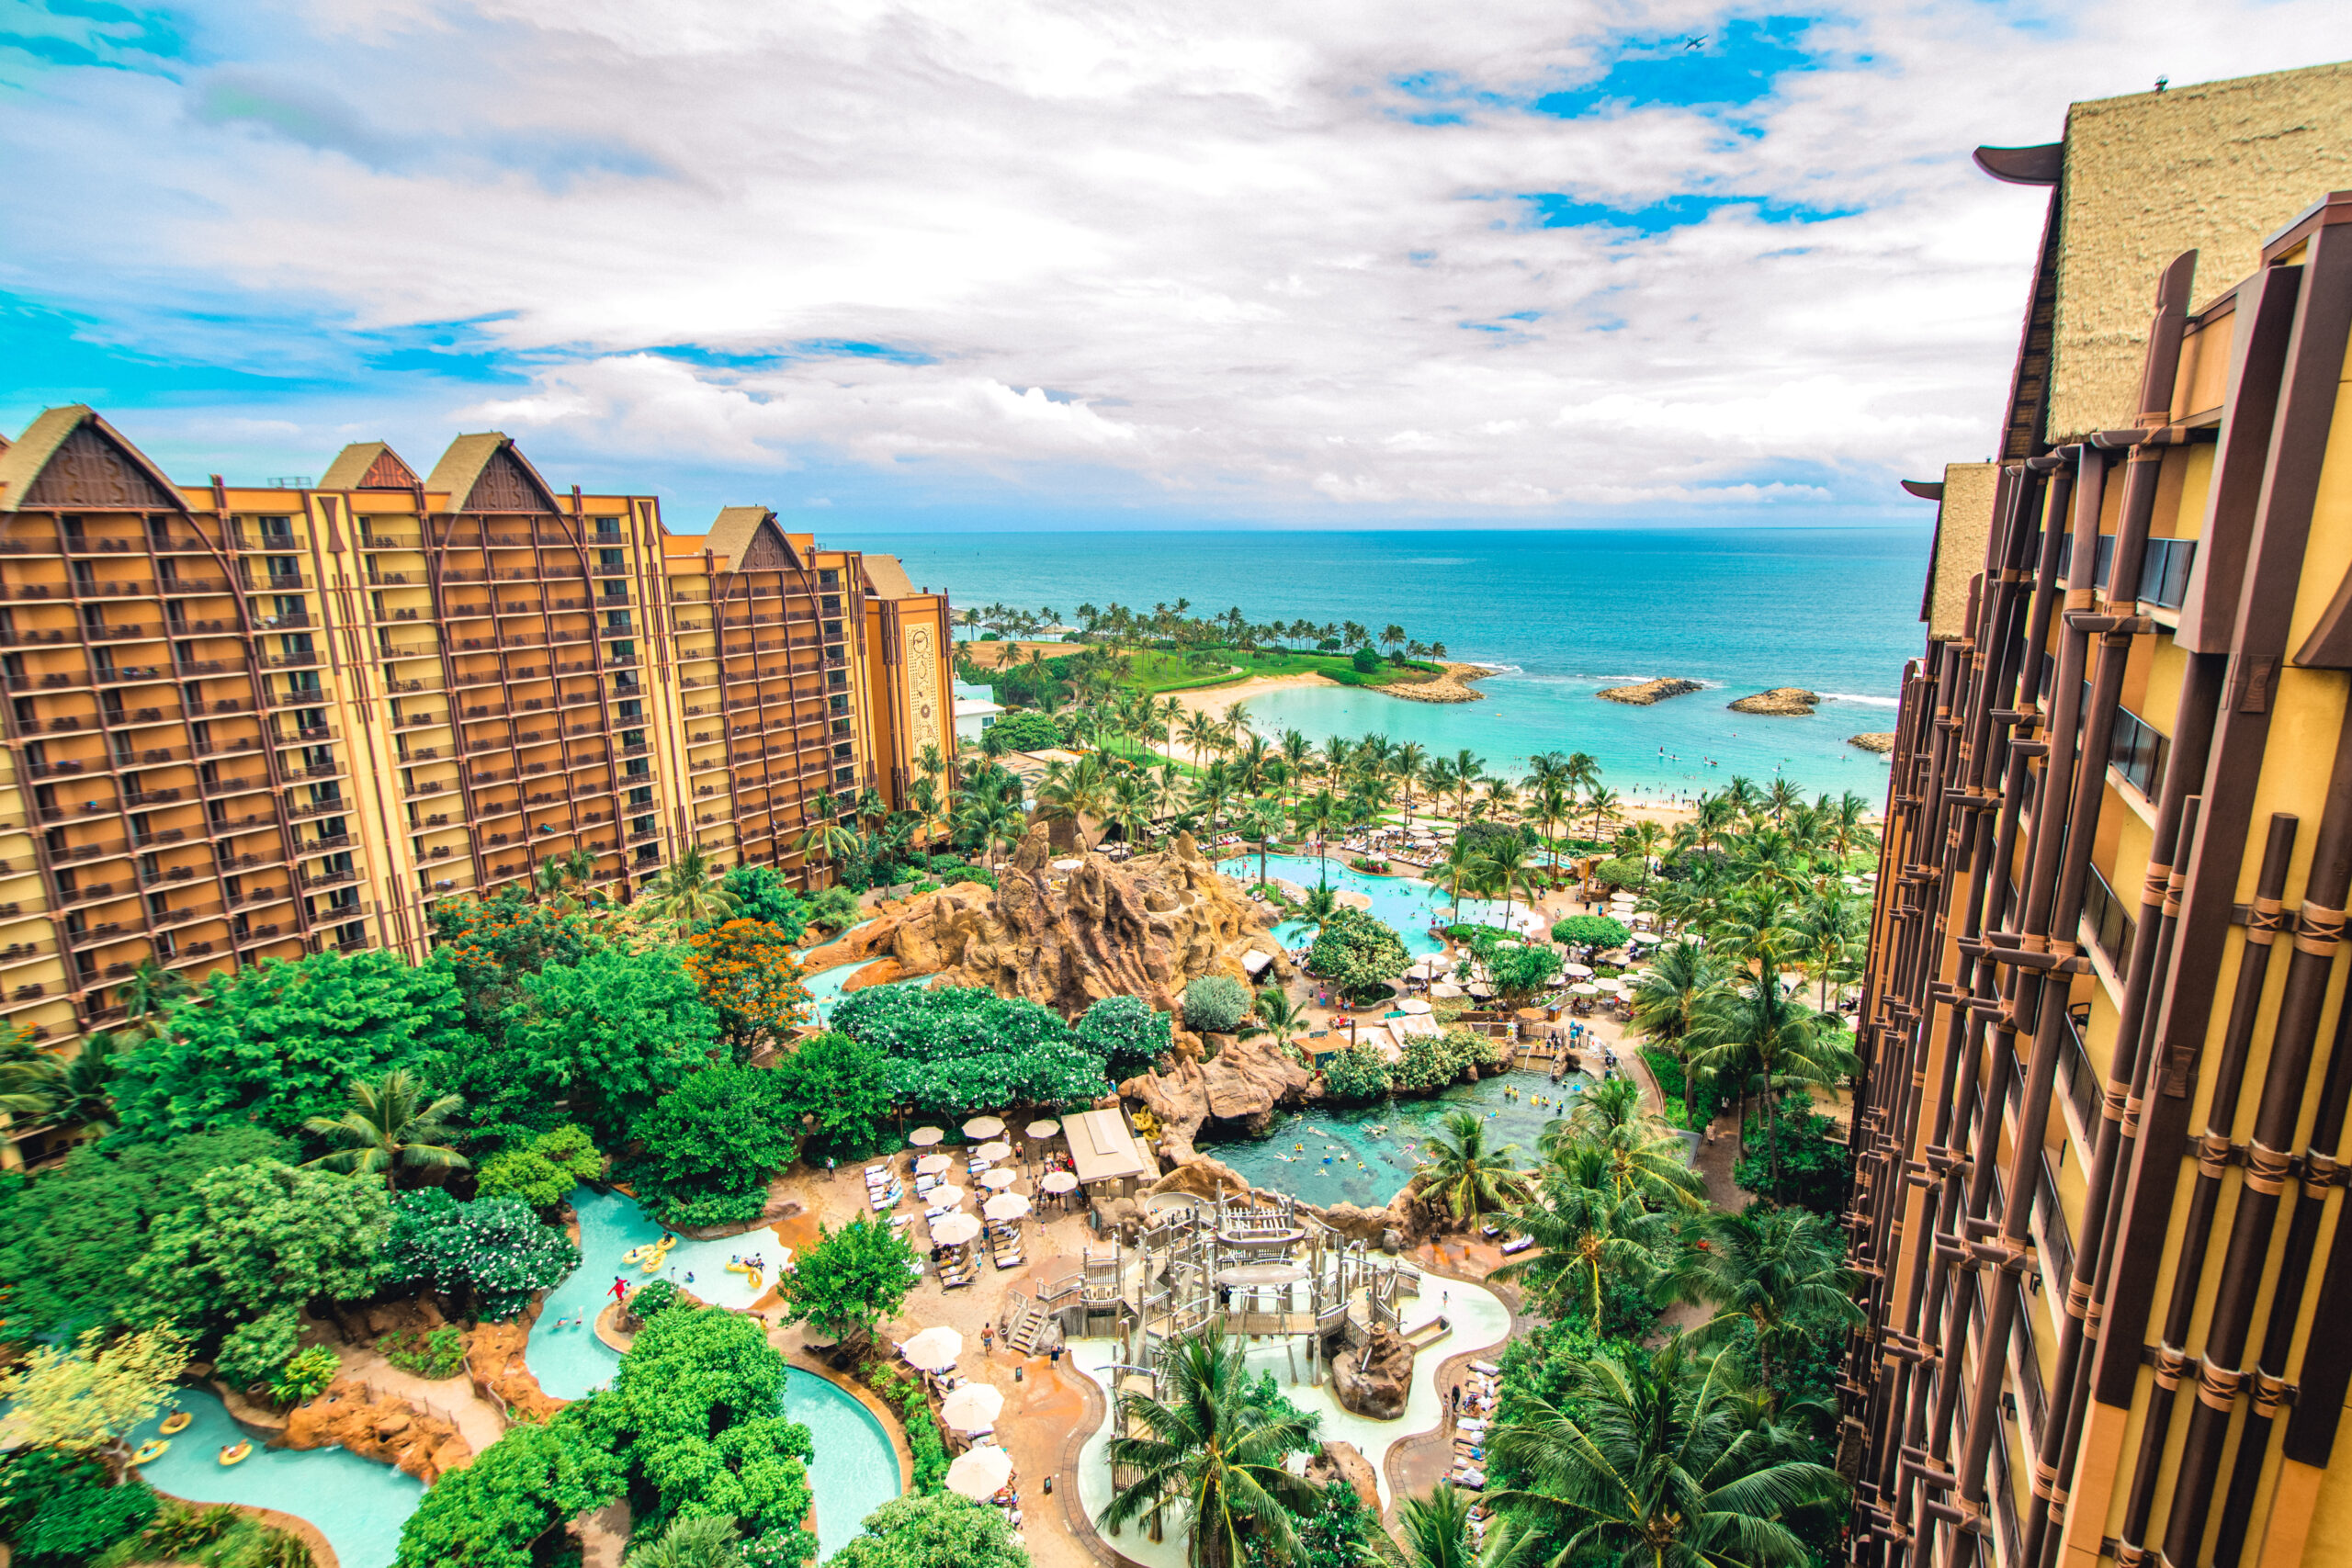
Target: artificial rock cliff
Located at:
point(1064, 938)
point(349, 1415)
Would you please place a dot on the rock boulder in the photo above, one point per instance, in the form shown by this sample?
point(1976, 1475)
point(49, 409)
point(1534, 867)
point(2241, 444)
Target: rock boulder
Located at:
point(494, 1360)
point(350, 1415)
point(1787, 702)
point(1373, 1381)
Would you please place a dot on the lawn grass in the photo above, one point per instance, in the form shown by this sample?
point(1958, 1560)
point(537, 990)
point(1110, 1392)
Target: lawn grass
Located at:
point(1157, 671)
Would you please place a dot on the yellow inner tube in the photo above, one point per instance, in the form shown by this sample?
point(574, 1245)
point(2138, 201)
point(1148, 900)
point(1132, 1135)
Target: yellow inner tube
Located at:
point(236, 1453)
point(176, 1422)
point(748, 1273)
point(153, 1448)
point(656, 1253)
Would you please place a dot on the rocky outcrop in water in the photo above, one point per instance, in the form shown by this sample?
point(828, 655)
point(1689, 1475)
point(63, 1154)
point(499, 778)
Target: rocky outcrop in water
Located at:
point(1373, 1381)
point(1065, 936)
point(1787, 702)
point(350, 1415)
point(1881, 742)
point(494, 1360)
point(1247, 1082)
point(1649, 692)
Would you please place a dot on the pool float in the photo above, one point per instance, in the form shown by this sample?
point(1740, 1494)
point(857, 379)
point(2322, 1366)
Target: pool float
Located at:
point(657, 1254)
point(236, 1452)
point(175, 1422)
point(749, 1274)
point(153, 1448)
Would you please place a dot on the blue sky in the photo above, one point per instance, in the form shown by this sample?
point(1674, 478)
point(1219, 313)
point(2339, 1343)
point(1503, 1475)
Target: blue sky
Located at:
point(934, 263)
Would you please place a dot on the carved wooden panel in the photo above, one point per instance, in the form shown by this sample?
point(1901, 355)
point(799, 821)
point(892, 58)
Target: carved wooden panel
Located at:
point(505, 486)
point(387, 472)
point(89, 470)
point(766, 552)
point(923, 688)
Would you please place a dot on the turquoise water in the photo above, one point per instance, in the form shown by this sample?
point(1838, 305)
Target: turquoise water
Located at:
point(1404, 904)
point(1366, 1156)
point(1563, 612)
point(825, 985)
point(855, 1469)
point(357, 1503)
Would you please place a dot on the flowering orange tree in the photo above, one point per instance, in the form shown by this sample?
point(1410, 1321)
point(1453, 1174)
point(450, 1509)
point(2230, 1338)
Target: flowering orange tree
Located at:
point(747, 974)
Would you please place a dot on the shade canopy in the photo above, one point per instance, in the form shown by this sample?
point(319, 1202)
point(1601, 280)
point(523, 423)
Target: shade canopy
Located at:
point(1576, 971)
point(1444, 988)
point(955, 1229)
point(932, 1165)
point(1584, 988)
point(1413, 1005)
point(923, 1137)
point(980, 1473)
point(980, 1127)
point(1045, 1129)
point(933, 1350)
point(1059, 1181)
point(947, 1195)
point(972, 1408)
point(1104, 1148)
point(998, 1150)
point(996, 1180)
point(1249, 1274)
point(1005, 1206)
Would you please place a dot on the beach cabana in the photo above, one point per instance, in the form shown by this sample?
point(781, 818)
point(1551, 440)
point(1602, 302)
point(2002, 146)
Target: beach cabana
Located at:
point(1104, 1150)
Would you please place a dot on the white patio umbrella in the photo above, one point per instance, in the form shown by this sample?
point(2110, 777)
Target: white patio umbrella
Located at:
point(972, 1408)
point(1059, 1181)
point(1576, 971)
point(955, 1229)
point(932, 1165)
point(1584, 988)
point(923, 1137)
point(999, 1178)
point(1045, 1129)
point(980, 1127)
point(993, 1151)
point(1413, 1005)
point(980, 1473)
point(1005, 1206)
point(934, 1350)
point(1445, 988)
point(945, 1196)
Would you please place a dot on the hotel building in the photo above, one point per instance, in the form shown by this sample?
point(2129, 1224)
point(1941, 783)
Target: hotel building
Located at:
point(2099, 1130)
point(248, 722)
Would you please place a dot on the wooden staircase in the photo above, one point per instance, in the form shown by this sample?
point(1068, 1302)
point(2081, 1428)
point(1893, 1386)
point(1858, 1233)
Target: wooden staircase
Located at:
point(1024, 1320)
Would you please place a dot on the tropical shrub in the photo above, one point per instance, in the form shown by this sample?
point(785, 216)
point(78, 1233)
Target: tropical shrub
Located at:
point(438, 1353)
point(720, 1136)
point(1432, 1062)
point(1026, 732)
point(905, 1392)
point(543, 1172)
point(78, 1523)
point(1817, 1168)
point(1216, 1004)
point(491, 1513)
point(1357, 953)
point(1127, 1033)
point(305, 1375)
point(490, 1255)
point(836, 909)
point(953, 1050)
point(1470, 935)
point(656, 1295)
point(1590, 931)
point(936, 1530)
point(1625, 871)
point(852, 1279)
point(1692, 1099)
point(1487, 838)
point(1356, 1076)
point(1519, 969)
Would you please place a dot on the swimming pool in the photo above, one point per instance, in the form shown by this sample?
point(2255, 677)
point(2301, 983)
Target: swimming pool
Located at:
point(1364, 1156)
point(1404, 904)
point(855, 1470)
point(825, 985)
point(358, 1504)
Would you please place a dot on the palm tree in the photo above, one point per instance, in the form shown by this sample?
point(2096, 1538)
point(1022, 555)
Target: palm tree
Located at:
point(146, 996)
point(1833, 932)
point(1774, 1043)
point(1199, 730)
point(1263, 822)
point(1318, 813)
point(1283, 1018)
point(1319, 905)
point(1437, 1528)
point(77, 1092)
point(1405, 764)
point(1639, 1157)
point(687, 893)
point(1461, 867)
point(1681, 982)
point(1502, 796)
point(1437, 777)
point(1468, 770)
point(1507, 871)
point(1072, 792)
point(1661, 1465)
point(1781, 1272)
point(1212, 1447)
point(707, 1540)
point(1601, 804)
point(557, 875)
point(1844, 825)
point(391, 1124)
point(1584, 1232)
point(1298, 754)
point(1783, 798)
point(1461, 1176)
point(992, 815)
point(1550, 802)
point(1743, 795)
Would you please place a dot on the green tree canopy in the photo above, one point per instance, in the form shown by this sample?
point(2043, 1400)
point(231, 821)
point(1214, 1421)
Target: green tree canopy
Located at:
point(1356, 1076)
point(843, 1083)
point(69, 1236)
point(852, 1279)
point(938, 1530)
point(252, 1246)
point(532, 1479)
point(1357, 953)
point(604, 1038)
point(488, 1256)
point(1590, 931)
point(710, 1146)
point(276, 1045)
point(489, 945)
point(543, 1172)
point(1026, 732)
point(1127, 1033)
point(761, 894)
point(959, 1049)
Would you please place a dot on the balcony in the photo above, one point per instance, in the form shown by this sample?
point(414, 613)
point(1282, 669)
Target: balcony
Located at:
point(257, 897)
point(2163, 572)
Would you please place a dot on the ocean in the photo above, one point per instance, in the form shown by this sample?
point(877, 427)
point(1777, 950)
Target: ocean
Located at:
point(1559, 615)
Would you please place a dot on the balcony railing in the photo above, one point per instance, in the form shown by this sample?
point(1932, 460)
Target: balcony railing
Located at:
point(2110, 928)
point(2163, 572)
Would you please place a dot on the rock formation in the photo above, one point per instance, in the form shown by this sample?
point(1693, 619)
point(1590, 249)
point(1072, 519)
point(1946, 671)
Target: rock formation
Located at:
point(1649, 692)
point(1064, 938)
point(1246, 1082)
point(1375, 1380)
point(494, 1360)
point(1788, 702)
point(351, 1415)
point(1881, 742)
point(1344, 1461)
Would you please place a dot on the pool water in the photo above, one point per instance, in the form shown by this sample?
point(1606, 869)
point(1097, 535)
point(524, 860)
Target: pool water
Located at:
point(825, 985)
point(855, 1470)
point(1364, 1156)
point(357, 1503)
point(1407, 906)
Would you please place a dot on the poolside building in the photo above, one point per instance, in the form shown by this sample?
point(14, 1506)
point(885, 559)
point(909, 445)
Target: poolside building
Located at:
point(260, 720)
point(2107, 1056)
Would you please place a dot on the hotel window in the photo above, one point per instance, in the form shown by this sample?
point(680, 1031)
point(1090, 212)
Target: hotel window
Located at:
point(2103, 916)
point(2163, 572)
point(2138, 752)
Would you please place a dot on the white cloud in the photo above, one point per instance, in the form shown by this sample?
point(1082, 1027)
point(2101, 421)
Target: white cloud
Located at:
point(1204, 245)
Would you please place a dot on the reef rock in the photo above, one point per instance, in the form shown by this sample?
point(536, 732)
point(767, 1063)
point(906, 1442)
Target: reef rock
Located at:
point(1881, 742)
point(1201, 1177)
point(1649, 692)
point(1787, 702)
point(1145, 928)
point(351, 1415)
point(1375, 1380)
point(1246, 1082)
point(494, 1360)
